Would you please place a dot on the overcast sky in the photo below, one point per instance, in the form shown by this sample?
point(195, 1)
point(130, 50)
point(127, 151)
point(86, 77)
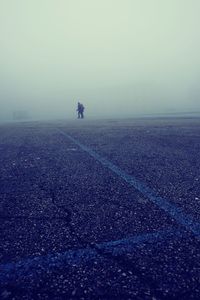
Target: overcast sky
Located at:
point(115, 56)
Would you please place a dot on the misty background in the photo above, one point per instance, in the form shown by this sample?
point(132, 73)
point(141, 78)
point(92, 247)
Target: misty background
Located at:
point(118, 57)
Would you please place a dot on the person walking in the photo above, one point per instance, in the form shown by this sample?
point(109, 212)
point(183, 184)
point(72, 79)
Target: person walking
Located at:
point(80, 110)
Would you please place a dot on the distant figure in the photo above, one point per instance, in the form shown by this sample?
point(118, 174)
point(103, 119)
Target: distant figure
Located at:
point(80, 110)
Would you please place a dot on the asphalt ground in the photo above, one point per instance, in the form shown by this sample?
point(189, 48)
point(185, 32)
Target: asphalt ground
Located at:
point(106, 209)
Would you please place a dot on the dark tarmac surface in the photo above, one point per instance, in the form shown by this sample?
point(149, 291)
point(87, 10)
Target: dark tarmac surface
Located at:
point(104, 209)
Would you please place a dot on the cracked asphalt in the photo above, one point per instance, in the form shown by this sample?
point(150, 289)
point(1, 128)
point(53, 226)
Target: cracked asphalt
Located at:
point(71, 228)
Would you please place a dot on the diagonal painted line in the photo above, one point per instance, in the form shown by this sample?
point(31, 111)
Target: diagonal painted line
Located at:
point(175, 212)
point(31, 267)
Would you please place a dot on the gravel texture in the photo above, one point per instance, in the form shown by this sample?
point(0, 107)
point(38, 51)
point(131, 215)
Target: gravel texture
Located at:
point(56, 199)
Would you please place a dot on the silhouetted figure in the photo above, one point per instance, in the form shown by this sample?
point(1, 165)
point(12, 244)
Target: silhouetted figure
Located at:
point(80, 110)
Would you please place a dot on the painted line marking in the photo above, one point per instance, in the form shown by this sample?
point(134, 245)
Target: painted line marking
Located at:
point(175, 212)
point(30, 267)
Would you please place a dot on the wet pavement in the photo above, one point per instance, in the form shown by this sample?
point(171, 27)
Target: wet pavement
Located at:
point(106, 209)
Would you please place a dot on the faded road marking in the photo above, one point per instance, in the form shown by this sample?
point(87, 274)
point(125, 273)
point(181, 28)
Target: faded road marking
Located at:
point(175, 212)
point(33, 266)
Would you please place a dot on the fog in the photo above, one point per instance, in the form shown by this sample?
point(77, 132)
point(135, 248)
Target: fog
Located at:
point(117, 57)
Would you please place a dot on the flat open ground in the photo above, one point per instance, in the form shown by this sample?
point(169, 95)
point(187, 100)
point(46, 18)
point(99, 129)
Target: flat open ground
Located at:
point(104, 209)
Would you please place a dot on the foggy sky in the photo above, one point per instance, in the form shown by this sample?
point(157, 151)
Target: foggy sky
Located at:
point(118, 57)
